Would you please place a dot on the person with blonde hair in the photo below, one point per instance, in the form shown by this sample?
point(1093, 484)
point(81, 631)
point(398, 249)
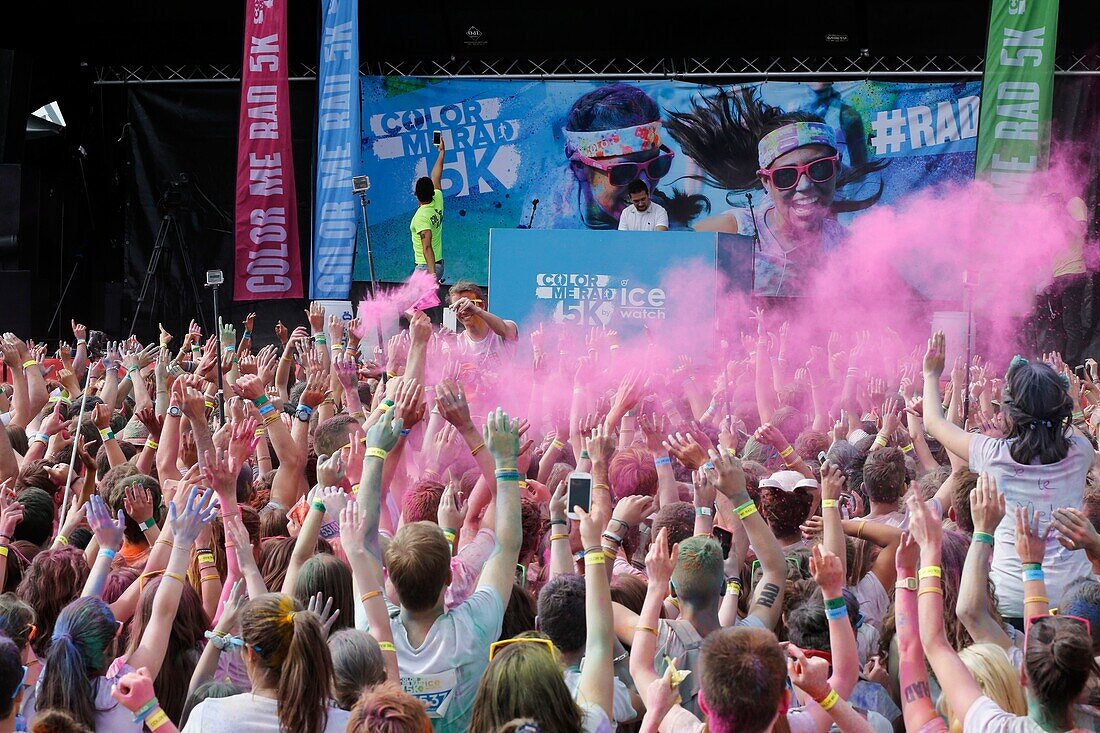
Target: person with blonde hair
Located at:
point(991, 668)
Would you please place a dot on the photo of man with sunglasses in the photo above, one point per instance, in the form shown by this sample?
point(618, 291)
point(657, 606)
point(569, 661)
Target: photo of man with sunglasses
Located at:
point(613, 138)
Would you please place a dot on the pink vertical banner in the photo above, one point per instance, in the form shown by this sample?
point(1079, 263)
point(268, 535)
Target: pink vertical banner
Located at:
point(267, 261)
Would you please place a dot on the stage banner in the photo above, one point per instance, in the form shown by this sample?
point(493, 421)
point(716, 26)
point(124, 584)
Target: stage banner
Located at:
point(620, 281)
point(1017, 93)
point(267, 260)
point(339, 151)
point(576, 145)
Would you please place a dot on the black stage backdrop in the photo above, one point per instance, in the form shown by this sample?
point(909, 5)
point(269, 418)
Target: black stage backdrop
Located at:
point(191, 129)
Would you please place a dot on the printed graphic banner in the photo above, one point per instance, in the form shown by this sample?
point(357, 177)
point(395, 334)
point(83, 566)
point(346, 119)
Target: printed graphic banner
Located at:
point(339, 151)
point(1018, 91)
point(574, 146)
point(611, 279)
point(267, 261)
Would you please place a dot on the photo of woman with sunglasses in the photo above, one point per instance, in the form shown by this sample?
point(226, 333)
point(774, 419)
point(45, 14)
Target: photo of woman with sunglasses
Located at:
point(741, 144)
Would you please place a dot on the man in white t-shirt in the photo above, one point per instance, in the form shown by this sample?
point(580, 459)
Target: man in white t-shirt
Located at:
point(643, 215)
point(487, 338)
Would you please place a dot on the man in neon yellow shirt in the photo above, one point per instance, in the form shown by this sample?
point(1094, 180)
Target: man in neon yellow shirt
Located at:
point(426, 227)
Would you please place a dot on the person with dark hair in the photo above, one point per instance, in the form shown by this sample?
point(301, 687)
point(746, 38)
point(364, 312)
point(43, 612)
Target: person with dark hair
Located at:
point(38, 516)
point(1042, 462)
point(426, 226)
point(643, 214)
point(742, 144)
point(884, 484)
point(612, 138)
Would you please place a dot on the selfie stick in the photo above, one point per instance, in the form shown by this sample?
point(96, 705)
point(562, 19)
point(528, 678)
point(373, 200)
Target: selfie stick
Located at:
point(359, 186)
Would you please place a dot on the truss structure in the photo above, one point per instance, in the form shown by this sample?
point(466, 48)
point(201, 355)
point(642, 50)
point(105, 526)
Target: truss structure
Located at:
point(858, 66)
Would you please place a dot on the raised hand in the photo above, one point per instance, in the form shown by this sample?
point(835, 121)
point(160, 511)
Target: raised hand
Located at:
point(108, 530)
point(631, 510)
point(248, 387)
point(134, 689)
point(810, 674)
point(660, 560)
point(924, 524)
point(80, 331)
point(501, 437)
point(827, 570)
point(934, 357)
point(331, 470)
point(558, 501)
point(321, 607)
point(731, 476)
point(1075, 531)
point(987, 505)
point(453, 405)
point(452, 510)
point(138, 503)
point(316, 315)
point(601, 446)
point(832, 481)
point(686, 449)
point(385, 431)
point(1031, 544)
point(198, 510)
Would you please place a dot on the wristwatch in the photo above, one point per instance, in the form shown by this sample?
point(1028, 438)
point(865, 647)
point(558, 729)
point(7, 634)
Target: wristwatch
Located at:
point(174, 411)
point(909, 583)
point(302, 415)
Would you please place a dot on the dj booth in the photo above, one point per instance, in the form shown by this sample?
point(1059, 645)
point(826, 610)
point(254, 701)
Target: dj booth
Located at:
point(619, 280)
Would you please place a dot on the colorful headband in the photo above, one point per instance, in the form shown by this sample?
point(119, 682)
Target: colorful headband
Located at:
point(794, 135)
point(606, 143)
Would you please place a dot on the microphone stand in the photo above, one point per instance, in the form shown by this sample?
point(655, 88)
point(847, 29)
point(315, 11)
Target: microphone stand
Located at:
point(755, 242)
point(360, 189)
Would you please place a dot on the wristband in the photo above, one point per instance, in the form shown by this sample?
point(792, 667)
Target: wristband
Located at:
point(260, 401)
point(386, 646)
point(556, 537)
point(648, 630)
point(320, 340)
point(835, 614)
point(929, 571)
point(176, 576)
point(369, 594)
point(557, 444)
point(907, 448)
point(41, 438)
point(247, 335)
point(584, 455)
point(829, 504)
point(3, 550)
point(1033, 574)
point(157, 719)
point(786, 451)
point(206, 558)
point(1036, 599)
point(144, 710)
point(930, 589)
point(29, 363)
point(609, 535)
point(828, 702)
point(601, 487)
point(150, 443)
point(82, 341)
point(106, 434)
point(1078, 416)
point(450, 535)
point(62, 539)
point(318, 505)
point(1032, 565)
point(746, 510)
point(147, 525)
point(376, 453)
point(477, 449)
point(594, 557)
point(387, 403)
point(405, 432)
point(107, 552)
point(662, 461)
point(230, 349)
point(983, 537)
point(704, 511)
point(837, 602)
point(880, 440)
point(210, 578)
point(210, 405)
point(304, 408)
point(560, 521)
point(733, 586)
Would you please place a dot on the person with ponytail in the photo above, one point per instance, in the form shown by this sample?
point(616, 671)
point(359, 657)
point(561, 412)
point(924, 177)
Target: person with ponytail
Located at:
point(1058, 658)
point(78, 672)
point(13, 674)
point(290, 667)
point(1042, 464)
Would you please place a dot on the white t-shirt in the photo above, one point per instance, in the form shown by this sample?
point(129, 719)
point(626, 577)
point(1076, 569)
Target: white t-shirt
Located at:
point(248, 713)
point(488, 352)
point(444, 672)
point(1043, 488)
point(985, 717)
point(623, 708)
point(873, 600)
point(633, 220)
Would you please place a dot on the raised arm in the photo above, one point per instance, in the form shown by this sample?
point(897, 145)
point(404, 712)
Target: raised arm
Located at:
point(954, 438)
point(987, 507)
point(1031, 544)
point(916, 706)
point(501, 437)
point(768, 603)
point(437, 168)
point(954, 678)
point(597, 680)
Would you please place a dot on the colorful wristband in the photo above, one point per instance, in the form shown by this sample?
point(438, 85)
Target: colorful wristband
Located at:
point(835, 614)
point(983, 537)
point(929, 571)
point(830, 504)
point(704, 511)
point(828, 702)
point(376, 453)
point(594, 557)
point(147, 525)
point(786, 452)
point(206, 558)
point(157, 719)
point(662, 461)
point(837, 602)
point(1033, 574)
point(746, 510)
point(29, 363)
point(150, 443)
point(319, 506)
point(107, 552)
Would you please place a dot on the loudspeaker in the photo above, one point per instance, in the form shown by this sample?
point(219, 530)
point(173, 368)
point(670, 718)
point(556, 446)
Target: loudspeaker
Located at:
point(10, 182)
point(15, 302)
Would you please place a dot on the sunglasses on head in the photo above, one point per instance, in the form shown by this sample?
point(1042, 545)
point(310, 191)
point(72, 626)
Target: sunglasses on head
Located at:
point(621, 173)
point(1045, 621)
point(508, 642)
point(786, 177)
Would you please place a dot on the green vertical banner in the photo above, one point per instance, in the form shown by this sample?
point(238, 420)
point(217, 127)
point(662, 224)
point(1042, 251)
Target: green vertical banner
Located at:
point(1017, 91)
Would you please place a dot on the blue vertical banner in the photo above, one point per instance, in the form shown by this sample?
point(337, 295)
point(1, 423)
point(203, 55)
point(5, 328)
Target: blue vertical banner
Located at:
point(339, 151)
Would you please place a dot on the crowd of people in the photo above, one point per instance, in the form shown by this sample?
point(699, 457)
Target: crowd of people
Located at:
point(363, 539)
